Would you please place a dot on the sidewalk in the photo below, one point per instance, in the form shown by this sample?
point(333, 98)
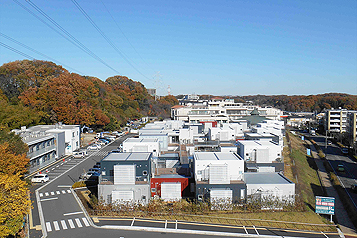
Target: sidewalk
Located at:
point(343, 219)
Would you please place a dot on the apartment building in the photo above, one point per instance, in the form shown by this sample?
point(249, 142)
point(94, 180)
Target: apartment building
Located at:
point(352, 126)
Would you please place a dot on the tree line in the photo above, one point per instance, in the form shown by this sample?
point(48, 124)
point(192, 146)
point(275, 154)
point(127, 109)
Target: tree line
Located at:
point(41, 92)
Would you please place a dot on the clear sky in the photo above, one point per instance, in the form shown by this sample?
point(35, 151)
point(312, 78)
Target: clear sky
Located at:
point(205, 47)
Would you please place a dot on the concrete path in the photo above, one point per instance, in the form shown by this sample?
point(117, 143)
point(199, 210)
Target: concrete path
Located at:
point(343, 219)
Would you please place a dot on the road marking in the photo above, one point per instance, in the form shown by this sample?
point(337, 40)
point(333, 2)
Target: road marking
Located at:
point(64, 192)
point(52, 193)
point(64, 186)
point(41, 195)
point(245, 230)
point(46, 194)
point(53, 169)
point(324, 234)
point(79, 224)
point(256, 230)
point(85, 221)
point(48, 226)
point(55, 223)
point(70, 222)
point(176, 225)
point(165, 224)
point(68, 191)
point(47, 199)
point(58, 192)
point(63, 222)
point(72, 213)
point(132, 223)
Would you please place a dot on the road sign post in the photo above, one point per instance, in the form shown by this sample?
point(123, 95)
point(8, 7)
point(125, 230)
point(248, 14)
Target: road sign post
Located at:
point(325, 205)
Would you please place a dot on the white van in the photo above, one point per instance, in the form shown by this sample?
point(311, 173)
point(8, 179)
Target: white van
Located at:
point(79, 154)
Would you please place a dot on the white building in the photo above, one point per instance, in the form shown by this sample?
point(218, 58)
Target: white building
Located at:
point(259, 151)
point(218, 167)
point(142, 145)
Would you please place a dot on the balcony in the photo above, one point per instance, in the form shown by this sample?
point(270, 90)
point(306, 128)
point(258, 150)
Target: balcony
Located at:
point(43, 151)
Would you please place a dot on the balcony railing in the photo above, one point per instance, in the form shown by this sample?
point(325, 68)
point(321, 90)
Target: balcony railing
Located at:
point(45, 150)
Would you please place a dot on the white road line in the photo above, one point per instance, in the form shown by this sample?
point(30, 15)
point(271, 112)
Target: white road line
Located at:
point(48, 226)
point(55, 223)
point(53, 169)
point(68, 191)
point(324, 234)
point(52, 193)
point(64, 225)
point(256, 231)
point(165, 224)
point(58, 192)
point(70, 222)
point(72, 213)
point(47, 199)
point(46, 194)
point(64, 192)
point(64, 186)
point(79, 224)
point(86, 223)
point(41, 195)
point(245, 229)
point(132, 223)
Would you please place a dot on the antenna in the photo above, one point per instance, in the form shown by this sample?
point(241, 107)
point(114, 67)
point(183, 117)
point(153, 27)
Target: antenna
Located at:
point(168, 90)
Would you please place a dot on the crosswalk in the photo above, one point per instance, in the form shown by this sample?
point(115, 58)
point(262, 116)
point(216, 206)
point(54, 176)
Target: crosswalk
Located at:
point(46, 194)
point(62, 225)
point(101, 153)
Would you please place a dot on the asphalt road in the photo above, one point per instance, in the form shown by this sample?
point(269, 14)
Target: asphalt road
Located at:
point(335, 156)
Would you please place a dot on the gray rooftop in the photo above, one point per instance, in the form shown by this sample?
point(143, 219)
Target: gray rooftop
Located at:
point(141, 140)
point(128, 156)
point(265, 178)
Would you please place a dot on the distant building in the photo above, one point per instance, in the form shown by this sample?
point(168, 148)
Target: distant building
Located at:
point(152, 91)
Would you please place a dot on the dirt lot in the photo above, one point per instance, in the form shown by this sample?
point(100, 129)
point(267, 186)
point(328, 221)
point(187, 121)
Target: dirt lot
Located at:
point(87, 138)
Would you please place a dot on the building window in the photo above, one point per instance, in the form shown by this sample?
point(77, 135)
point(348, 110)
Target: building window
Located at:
point(145, 172)
point(200, 197)
point(111, 172)
point(73, 134)
point(76, 143)
point(143, 197)
point(153, 190)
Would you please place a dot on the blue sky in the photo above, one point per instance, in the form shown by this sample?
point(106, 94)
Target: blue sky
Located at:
point(204, 47)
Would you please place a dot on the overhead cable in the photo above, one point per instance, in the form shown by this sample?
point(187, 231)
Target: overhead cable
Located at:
point(106, 38)
point(16, 51)
point(69, 37)
point(37, 52)
point(125, 35)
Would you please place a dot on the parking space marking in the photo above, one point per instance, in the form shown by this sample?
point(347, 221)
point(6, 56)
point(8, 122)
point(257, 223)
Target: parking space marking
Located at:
point(85, 221)
point(55, 224)
point(58, 192)
point(46, 194)
point(70, 222)
point(48, 226)
point(52, 193)
point(79, 224)
point(64, 225)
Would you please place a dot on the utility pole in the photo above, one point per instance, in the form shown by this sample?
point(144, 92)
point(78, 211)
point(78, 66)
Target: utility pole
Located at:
point(325, 139)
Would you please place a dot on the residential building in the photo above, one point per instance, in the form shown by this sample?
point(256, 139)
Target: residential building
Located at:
point(352, 126)
point(125, 177)
point(142, 145)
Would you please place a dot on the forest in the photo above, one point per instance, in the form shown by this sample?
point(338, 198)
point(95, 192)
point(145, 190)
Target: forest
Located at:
point(41, 92)
point(298, 103)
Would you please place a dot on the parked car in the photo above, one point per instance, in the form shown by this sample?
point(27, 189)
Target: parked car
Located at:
point(89, 175)
point(94, 147)
point(344, 151)
point(94, 170)
point(105, 139)
point(79, 154)
point(40, 178)
point(102, 143)
point(340, 168)
point(329, 142)
point(97, 165)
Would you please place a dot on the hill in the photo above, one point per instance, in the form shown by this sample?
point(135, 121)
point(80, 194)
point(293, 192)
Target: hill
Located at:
point(41, 92)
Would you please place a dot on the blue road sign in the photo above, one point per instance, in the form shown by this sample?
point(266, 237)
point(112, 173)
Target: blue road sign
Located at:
point(325, 205)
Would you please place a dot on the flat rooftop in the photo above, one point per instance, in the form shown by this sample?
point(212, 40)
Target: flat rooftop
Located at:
point(141, 140)
point(265, 178)
point(128, 156)
point(216, 156)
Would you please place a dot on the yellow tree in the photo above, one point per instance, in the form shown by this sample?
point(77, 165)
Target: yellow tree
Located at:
point(14, 203)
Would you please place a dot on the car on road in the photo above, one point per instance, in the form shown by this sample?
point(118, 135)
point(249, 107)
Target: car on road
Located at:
point(79, 154)
point(340, 168)
point(344, 151)
point(89, 175)
point(40, 178)
point(94, 147)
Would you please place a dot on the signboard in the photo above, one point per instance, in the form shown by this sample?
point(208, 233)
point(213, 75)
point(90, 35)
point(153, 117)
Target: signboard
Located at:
point(308, 152)
point(325, 205)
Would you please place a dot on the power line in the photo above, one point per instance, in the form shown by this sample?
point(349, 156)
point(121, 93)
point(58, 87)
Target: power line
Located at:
point(37, 52)
point(16, 51)
point(73, 41)
point(106, 38)
point(124, 34)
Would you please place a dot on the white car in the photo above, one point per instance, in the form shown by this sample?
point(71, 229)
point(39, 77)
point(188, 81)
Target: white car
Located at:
point(79, 154)
point(89, 174)
point(94, 147)
point(40, 178)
